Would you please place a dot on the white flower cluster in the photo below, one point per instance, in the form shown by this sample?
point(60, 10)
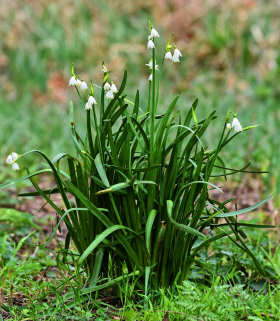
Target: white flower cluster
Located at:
point(76, 82)
point(90, 102)
point(175, 57)
point(153, 34)
point(110, 90)
point(236, 125)
point(11, 160)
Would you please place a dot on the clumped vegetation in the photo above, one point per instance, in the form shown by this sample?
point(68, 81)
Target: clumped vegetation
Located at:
point(141, 231)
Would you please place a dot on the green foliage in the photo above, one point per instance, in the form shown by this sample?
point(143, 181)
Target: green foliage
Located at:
point(141, 195)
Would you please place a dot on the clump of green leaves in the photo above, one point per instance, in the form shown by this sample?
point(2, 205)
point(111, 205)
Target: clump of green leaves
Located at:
point(139, 203)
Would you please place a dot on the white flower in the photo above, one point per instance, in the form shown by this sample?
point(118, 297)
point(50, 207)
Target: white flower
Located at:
point(15, 167)
point(78, 83)
point(83, 85)
point(154, 33)
point(228, 126)
point(14, 156)
point(150, 44)
point(238, 129)
point(88, 105)
point(114, 88)
point(9, 159)
point(72, 81)
point(91, 100)
point(236, 124)
point(177, 53)
point(150, 37)
point(151, 77)
point(107, 86)
point(168, 55)
point(109, 95)
point(175, 59)
point(150, 64)
point(104, 69)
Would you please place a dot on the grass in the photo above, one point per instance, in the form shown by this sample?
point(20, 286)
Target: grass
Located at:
point(227, 285)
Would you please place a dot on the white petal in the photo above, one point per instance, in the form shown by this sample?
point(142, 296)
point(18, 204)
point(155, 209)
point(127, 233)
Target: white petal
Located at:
point(235, 122)
point(14, 156)
point(168, 55)
point(107, 86)
point(238, 128)
point(154, 33)
point(15, 167)
point(151, 77)
point(104, 69)
point(88, 106)
point(109, 95)
point(83, 86)
point(175, 59)
point(78, 83)
point(177, 53)
point(72, 81)
point(114, 88)
point(228, 126)
point(151, 44)
point(9, 159)
point(150, 37)
point(91, 100)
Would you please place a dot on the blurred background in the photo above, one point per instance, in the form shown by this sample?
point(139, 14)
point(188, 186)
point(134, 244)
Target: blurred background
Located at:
point(231, 58)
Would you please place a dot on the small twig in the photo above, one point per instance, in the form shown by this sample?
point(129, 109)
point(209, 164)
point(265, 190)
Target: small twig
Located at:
point(109, 298)
point(181, 313)
point(246, 316)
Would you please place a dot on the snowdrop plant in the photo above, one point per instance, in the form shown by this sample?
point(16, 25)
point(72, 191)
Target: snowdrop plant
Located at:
point(136, 196)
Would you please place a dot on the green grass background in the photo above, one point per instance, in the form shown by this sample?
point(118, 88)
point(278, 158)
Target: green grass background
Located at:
point(230, 59)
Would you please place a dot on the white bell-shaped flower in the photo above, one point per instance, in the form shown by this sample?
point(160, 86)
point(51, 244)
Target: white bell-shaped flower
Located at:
point(150, 64)
point(15, 167)
point(177, 53)
point(236, 124)
point(9, 159)
point(151, 44)
point(83, 85)
point(107, 86)
point(92, 100)
point(175, 59)
point(168, 55)
point(154, 33)
point(104, 69)
point(78, 83)
point(109, 95)
point(228, 126)
point(14, 156)
point(114, 88)
point(72, 81)
point(88, 106)
point(150, 37)
point(151, 77)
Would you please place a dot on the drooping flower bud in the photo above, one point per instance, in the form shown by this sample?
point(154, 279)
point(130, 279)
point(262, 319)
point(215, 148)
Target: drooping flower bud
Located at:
point(113, 88)
point(151, 77)
point(88, 105)
point(236, 124)
point(168, 55)
point(228, 126)
point(9, 159)
point(107, 86)
point(72, 81)
point(150, 45)
point(177, 53)
point(109, 95)
point(15, 167)
point(92, 100)
point(14, 156)
point(83, 85)
point(154, 33)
